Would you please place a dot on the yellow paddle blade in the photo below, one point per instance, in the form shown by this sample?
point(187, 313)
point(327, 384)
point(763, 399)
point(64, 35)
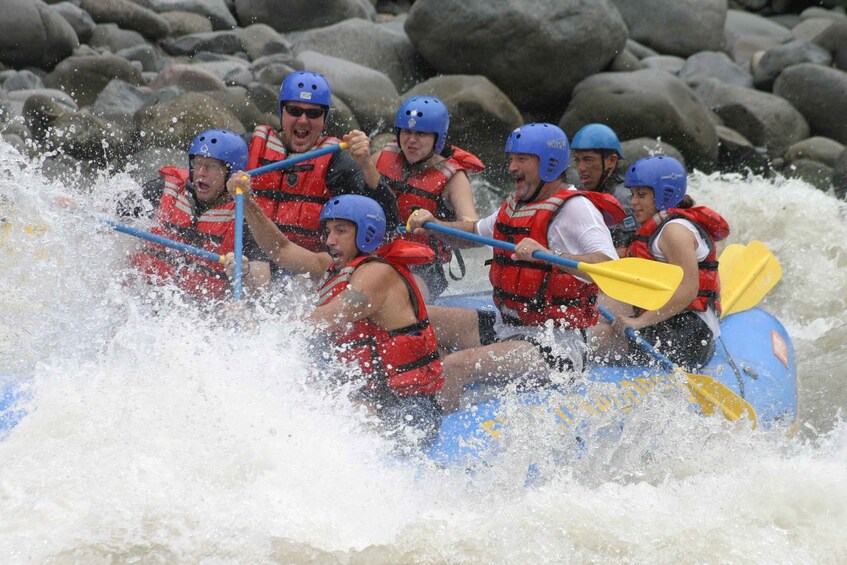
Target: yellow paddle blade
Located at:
point(713, 395)
point(748, 278)
point(729, 259)
point(640, 282)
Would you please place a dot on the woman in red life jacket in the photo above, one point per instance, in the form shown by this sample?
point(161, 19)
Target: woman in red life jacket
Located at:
point(675, 231)
point(196, 209)
point(424, 173)
point(368, 302)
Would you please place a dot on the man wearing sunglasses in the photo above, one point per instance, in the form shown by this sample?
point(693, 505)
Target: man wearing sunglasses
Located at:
point(293, 197)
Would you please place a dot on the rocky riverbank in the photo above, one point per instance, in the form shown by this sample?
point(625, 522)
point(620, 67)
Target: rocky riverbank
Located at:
point(732, 86)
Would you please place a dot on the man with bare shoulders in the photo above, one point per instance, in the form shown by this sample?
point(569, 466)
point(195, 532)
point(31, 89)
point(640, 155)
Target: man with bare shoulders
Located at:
point(368, 302)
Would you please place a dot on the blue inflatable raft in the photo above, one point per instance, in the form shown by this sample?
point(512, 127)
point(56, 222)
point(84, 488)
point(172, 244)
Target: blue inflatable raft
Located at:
point(754, 359)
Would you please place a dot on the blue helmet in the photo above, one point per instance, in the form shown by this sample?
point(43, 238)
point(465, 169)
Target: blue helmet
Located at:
point(597, 136)
point(305, 86)
point(221, 144)
point(546, 141)
point(665, 175)
point(365, 212)
point(424, 113)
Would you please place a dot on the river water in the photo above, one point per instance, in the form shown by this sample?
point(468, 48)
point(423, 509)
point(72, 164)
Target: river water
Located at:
point(156, 434)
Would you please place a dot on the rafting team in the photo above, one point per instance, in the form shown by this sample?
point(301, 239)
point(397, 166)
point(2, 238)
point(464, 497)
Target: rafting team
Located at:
point(333, 218)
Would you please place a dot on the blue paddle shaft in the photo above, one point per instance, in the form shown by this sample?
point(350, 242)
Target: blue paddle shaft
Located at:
point(165, 241)
point(238, 248)
point(298, 159)
point(499, 244)
point(639, 341)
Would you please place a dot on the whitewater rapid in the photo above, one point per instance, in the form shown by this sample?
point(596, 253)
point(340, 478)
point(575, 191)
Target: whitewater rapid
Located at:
point(158, 434)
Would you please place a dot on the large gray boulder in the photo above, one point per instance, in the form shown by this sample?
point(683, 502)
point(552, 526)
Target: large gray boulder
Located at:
point(177, 122)
point(839, 175)
point(766, 120)
point(184, 23)
point(32, 33)
point(127, 15)
point(370, 94)
point(646, 103)
point(536, 56)
point(834, 40)
point(713, 64)
point(481, 116)
point(79, 19)
point(379, 47)
point(821, 149)
point(658, 24)
point(820, 94)
point(113, 38)
point(216, 11)
point(83, 77)
point(748, 33)
point(301, 14)
point(227, 42)
point(640, 147)
point(192, 78)
point(775, 60)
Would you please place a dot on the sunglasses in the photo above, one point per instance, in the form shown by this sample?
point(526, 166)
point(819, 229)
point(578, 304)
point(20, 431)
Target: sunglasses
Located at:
point(297, 111)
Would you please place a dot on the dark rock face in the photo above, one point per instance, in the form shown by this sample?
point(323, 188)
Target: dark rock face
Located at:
point(33, 33)
point(820, 94)
point(535, 56)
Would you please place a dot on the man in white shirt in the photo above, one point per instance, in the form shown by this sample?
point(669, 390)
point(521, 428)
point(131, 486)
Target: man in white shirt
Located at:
point(544, 312)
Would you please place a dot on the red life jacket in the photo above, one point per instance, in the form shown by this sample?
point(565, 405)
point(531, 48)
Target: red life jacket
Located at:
point(292, 198)
point(405, 359)
point(711, 226)
point(213, 230)
point(425, 189)
point(535, 291)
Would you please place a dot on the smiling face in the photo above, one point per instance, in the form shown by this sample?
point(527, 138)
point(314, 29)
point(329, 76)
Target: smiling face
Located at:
point(209, 178)
point(523, 168)
point(300, 133)
point(416, 145)
point(340, 241)
point(643, 203)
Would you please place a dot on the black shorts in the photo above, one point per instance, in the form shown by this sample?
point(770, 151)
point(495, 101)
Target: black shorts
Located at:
point(433, 275)
point(685, 339)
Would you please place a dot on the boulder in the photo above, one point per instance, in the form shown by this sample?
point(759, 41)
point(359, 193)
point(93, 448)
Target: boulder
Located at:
point(839, 175)
point(655, 23)
point(809, 30)
point(127, 15)
point(748, 33)
point(712, 64)
point(737, 154)
point(519, 50)
point(185, 23)
point(177, 122)
point(370, 94)
point(119, 102)
point(79, 19)
point(83, 77)
point(188, 78)
point(481, 116)
point(113, 39)
point(813, 172)
point(640, 147)
point(834, 40)
point(766, 120)
point(33, 33)
point(372, 45)
point(668, 63)
point(261, 39)
point(820, 149)
point(226, 42)
point(21, 80)
point(216, 11)
point(625, 62)
point(301, 14)
point(646, 103)
point(819, 93)
point(776, 59)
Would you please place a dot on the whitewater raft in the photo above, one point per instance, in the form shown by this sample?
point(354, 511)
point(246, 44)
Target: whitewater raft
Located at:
point(754, 359)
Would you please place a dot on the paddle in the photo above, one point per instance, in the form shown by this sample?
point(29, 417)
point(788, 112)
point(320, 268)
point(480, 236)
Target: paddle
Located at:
point(747, 275)
point(179, 246)
point(299, 158)
point(709, 393)
point(238, 245)
point(641, 282)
